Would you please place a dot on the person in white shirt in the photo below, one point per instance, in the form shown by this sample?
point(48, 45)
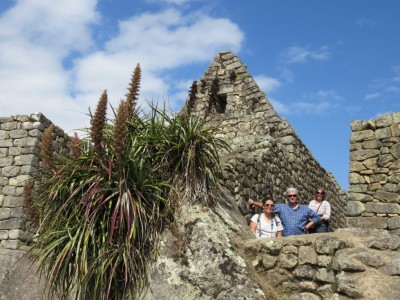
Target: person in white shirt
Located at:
point(323, 209)
point(266, 224)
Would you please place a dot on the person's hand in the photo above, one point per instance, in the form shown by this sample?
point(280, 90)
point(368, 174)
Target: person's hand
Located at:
point(251, 202)
point(321, 220)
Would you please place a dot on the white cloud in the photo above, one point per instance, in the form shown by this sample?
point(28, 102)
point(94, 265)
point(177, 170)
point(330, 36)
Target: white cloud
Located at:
point(328, 95)
point(60, 25)
point(177, 98)
point(169, 39)
point(174, 2)
point(393, 89)
point(287, 75)
point(318, 103)
point(267, 84)
point(38, 36)
point(35, 37)
point(372, 96)
point(280, 107)
point(362, 23)
point(165, 41)
point(396, 71)
point(303, 107)
point(312, 108)
point(298, 54)
point(385, 86)
point(352, 109)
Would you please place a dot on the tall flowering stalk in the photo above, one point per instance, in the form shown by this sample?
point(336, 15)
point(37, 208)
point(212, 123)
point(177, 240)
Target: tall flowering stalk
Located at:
point(76, 146)
point(98, 122)
point(120, 131)
point(133, 90)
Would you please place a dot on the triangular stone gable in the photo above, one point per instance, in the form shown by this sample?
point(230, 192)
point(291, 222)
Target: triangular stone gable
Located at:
point(239, 96)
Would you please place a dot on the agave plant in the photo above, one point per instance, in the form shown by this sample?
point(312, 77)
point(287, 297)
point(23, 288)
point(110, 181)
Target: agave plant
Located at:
point(103, 209)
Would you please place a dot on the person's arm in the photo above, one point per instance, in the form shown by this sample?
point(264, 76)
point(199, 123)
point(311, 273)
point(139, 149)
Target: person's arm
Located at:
point(315, 218)
point(310, 204)
point(309, 225)
point(254, 203)
point(277, 209)
point(326, 216)
point(279, 227)
point(253, 227)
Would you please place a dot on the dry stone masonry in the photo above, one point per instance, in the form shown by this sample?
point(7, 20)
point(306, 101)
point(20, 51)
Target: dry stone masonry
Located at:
point(268, 155)
point(374, 192)
point(340, 265)
point(20, 139)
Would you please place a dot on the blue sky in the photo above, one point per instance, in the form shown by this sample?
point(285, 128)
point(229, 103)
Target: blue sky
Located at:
point(321, 63)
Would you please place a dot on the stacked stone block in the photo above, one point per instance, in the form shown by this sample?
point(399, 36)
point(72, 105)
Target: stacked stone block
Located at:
point(374, 192)
point(20, 140)
point(329, 266)
point(268, 156)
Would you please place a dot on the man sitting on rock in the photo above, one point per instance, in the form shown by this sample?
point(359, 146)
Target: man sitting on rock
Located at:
point(296, 218)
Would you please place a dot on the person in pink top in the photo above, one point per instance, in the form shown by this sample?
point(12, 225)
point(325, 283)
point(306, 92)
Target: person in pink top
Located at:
point(323, 209)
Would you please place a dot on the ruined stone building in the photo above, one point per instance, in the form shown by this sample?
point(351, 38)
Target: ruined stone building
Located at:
point(211, 254)
point(268, 155)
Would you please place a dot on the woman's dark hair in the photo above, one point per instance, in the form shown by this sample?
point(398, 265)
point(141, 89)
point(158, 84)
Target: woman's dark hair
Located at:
point(264, 200)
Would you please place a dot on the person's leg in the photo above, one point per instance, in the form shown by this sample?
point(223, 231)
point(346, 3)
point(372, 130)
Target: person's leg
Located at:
point(313, 229)
point(323, 227)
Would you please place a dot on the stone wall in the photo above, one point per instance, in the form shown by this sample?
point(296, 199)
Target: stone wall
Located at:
point(20, 139)
point(374, 192)
point(268, 155)
point(340, 265)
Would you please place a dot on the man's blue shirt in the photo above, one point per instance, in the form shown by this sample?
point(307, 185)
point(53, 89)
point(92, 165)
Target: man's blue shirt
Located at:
point(294, 220)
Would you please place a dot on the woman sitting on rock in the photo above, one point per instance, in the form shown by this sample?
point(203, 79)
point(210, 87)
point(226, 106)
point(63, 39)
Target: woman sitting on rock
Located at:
point(266, 224)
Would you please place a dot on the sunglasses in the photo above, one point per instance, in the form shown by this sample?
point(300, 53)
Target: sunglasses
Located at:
point(269, 205)
point(291, 196)
point(320, 193)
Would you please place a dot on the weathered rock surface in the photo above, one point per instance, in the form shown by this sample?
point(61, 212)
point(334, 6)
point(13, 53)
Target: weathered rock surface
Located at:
point(200, 259)
point(339, 265)
point(18, 280)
